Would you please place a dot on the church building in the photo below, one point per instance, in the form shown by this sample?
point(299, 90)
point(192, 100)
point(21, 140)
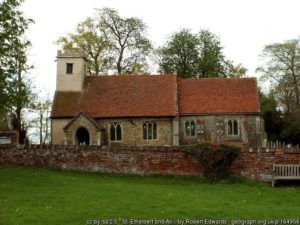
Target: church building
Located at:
point(152, 110)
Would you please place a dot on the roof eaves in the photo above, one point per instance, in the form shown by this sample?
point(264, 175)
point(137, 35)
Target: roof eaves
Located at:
point(218, 113)
point(134, 116)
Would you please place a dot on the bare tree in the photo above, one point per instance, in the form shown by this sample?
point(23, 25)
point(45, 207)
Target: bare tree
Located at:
point(41, 121)
point(282, 66)
point(128, 41)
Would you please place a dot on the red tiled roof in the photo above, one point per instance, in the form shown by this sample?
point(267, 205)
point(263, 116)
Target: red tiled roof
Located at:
point(144, 95)
point(65, 104)
point(120, 96)
point(218, 95)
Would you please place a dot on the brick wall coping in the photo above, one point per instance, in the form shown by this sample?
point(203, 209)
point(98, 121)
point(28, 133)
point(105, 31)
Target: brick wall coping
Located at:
point(97, 148)
point(72, 148)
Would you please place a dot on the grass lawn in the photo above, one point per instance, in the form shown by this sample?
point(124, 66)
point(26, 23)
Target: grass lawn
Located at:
point(43, 196)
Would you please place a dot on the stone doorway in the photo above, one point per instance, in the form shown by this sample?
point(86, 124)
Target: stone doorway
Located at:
point(82, 136)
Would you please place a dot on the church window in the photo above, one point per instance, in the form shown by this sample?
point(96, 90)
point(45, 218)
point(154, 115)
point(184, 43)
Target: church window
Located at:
point(190, 128)
point(115, 132)
point(149, 131)
point(232, 127)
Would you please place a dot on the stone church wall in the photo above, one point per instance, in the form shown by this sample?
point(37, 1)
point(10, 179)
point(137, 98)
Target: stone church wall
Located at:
point(213, 129)
point(57, 132)
point(132, 131)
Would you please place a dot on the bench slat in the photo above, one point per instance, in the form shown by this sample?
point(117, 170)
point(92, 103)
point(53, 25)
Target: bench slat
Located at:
point(287, 178)
point(277, 165)
point(285, 172)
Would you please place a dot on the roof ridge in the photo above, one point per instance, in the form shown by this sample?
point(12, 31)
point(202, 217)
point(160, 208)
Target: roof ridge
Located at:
point(133, 75)
point(220, 78)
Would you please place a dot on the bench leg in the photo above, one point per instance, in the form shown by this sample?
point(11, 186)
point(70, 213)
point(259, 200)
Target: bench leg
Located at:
point(273, 183)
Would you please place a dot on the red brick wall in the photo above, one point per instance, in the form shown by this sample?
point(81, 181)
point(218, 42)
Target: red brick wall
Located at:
point(117, 159)
point(258, 163)
point(254, 164)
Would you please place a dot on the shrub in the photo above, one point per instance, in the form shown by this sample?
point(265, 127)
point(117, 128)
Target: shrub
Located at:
point(215, 160)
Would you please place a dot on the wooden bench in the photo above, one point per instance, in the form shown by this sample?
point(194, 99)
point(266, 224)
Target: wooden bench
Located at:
point(285, 172)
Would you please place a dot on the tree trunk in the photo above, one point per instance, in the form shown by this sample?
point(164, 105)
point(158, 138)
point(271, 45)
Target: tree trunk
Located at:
point(119, 63)
point(19, 125)
point(19, 107)
point(296, 89)
point(119, 68)
point(41, 128)
point(46, 128)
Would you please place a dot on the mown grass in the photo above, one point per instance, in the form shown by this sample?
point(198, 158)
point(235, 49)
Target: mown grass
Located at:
point(44, 196)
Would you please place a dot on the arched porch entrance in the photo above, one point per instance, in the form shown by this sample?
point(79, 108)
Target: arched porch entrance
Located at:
point(82, 136)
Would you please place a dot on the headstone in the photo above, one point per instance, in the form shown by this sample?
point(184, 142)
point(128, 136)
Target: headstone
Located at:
point(5, 140)
point(8, 138)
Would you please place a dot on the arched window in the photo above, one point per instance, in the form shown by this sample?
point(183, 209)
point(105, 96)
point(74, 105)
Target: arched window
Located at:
point(235, 128)
point(229, 129)
point(190, 128)
point(149, 131)
point(193, 128)
point(232, 127)
point(187, 128)
point(115, 132)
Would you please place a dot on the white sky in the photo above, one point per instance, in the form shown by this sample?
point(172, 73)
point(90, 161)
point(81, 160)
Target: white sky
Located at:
point(244, 26)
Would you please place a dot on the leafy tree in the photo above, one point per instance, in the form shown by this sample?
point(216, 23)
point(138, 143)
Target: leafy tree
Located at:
point(13, 25)
point(194, 55)
point(280, 124)
point(180, 54)
point(15, 89)
point(20, 90)
point(129, 45)
point(239, 71)
point(291, 130)
point(212, 62)
point(90, 39)
point(272, 116)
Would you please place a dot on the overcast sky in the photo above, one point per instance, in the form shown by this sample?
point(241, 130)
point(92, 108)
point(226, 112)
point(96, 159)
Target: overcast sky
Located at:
point(244, 26)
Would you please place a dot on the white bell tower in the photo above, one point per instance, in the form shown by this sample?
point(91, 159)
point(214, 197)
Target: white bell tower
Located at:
point(71, 70)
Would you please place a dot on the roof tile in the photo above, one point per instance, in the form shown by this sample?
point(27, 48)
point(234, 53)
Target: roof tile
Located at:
point(150, 96)
point(121, 96)
point(218, 95)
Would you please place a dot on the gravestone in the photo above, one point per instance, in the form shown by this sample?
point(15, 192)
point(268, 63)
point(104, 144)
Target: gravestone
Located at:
point(8, 138)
